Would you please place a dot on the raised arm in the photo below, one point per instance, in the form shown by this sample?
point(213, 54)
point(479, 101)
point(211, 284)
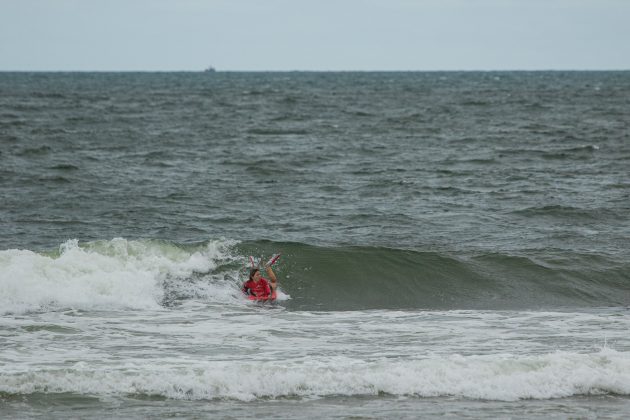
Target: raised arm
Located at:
point(272, 278)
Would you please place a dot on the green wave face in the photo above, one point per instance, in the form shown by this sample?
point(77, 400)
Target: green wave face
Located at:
point(355, 278)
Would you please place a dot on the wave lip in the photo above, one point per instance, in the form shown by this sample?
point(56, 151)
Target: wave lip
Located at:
point(502, 377)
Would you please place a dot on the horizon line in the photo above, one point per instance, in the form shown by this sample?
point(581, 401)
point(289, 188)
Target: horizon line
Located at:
point(318, 71)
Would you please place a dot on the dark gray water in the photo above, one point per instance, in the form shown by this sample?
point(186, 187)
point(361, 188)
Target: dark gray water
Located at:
point(501, 162)
point(407, 206)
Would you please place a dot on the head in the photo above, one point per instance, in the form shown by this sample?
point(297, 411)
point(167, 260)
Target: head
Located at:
point(254, 274)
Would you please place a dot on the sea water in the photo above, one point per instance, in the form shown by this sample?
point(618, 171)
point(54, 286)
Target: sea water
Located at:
point(453, 244)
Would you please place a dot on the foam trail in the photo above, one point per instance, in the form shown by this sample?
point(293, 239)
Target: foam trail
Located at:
point(491, 377)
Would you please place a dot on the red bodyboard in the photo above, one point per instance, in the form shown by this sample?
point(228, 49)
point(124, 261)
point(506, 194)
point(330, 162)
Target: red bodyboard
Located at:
point(263, 299)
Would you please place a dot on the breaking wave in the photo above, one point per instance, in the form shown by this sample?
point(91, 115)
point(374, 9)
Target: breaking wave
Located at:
point(150, 274)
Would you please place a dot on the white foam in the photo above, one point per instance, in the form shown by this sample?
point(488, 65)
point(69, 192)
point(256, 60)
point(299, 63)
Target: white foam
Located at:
point(116, 274)
point(492, 377)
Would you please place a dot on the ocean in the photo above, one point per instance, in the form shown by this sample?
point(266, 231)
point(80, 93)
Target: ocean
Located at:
point(454, 244)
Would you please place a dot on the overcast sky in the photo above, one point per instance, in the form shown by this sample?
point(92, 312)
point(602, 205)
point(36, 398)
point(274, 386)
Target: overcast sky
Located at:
point(314, 34)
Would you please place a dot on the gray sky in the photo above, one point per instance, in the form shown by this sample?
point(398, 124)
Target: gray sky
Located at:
point(314, 34)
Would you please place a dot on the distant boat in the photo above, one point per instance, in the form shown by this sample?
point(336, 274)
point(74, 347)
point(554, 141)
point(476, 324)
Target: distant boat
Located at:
point(210, 70)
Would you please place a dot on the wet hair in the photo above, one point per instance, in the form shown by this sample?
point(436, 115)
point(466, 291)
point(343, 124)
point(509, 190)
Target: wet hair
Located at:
point(252, 272)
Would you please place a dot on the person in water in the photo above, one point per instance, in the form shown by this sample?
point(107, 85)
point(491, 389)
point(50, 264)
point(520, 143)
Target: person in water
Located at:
point(259, 286)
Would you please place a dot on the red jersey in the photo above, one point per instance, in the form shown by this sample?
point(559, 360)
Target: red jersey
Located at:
point(260, 289)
